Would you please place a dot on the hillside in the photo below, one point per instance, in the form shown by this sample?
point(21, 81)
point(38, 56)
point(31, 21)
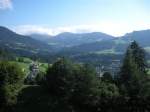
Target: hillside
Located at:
point(96, 42)
point(142, 37)
point(108, 50)
point(22, 45)
point(116, 45)
point(68, 39)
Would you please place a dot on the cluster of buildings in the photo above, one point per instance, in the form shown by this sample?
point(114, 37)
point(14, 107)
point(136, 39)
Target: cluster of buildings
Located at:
point(113, 68)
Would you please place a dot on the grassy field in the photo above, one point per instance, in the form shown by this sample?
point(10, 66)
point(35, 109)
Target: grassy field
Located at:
point(25, 63)
point(108, 51)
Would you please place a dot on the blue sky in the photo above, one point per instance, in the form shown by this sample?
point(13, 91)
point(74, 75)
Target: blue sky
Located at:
point(115, 17)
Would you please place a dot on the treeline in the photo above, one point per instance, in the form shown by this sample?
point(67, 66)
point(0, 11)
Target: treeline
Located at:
point(73, 87)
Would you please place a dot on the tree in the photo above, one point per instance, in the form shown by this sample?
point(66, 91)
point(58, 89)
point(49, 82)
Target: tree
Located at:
point(59, 79)
point(71, 84)
point(84, 86)
point(133, 71)
point(11, 80)
point(138, 55)
point(40, 78)
point(20, 59)
point(106, 97)
point(107, 77)
point(57, 76)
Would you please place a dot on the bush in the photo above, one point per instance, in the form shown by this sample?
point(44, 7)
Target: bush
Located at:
point(11, 80)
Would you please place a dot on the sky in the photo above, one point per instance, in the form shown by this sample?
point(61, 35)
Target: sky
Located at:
point(114, 17)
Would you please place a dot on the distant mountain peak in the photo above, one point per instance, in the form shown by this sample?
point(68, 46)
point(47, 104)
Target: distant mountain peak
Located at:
point(137, 32)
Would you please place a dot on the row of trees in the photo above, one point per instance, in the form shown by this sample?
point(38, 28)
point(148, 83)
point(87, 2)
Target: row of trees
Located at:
point(77, 88)
point(74, 87)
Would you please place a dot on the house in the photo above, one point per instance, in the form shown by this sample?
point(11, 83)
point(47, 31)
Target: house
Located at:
point(33, 70)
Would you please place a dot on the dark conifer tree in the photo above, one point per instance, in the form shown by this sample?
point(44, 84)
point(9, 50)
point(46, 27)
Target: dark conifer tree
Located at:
point(133, 71)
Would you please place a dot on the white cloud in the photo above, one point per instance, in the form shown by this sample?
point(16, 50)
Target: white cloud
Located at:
point(5, 4)
point(31, 29)
point(112, 28)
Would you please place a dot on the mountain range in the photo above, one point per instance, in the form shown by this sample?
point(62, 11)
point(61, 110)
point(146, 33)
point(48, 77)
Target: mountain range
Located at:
point(67, 39)
point(76, 45)
point(96, 42)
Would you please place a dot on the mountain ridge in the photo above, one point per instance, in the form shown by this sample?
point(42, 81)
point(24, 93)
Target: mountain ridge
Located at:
point(21, 44)
point(72, 44)
point(68, 39)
